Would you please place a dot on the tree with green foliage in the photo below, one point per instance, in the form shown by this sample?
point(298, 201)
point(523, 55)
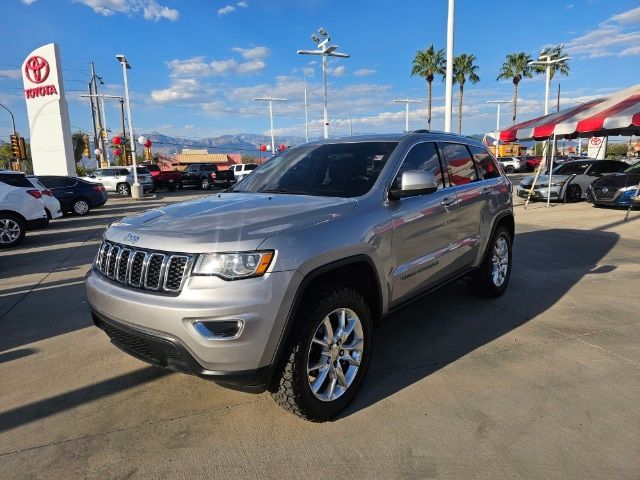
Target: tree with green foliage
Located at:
point(515, 68)
point(77, 141)
point(464, 70)
point(427, 64)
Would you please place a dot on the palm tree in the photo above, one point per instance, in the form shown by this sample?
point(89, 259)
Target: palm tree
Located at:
point(553, 52)
point(463, 70)
point(427, 64)
point(515, 67)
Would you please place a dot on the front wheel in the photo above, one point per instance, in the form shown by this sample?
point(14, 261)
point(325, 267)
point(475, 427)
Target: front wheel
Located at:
point(81, 207)
point(205, 184)
point(510, 169)
point(573, 194)
point(124, 189)
point(492, 277)
point(327, 355)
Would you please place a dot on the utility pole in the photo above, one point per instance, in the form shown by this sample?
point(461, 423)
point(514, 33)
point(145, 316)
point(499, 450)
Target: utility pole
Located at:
point(124, 132)
point(93, 108)
point(558, 103)
point(448, 103)
point(306, 111)
point(271, 100)
point(97, 117)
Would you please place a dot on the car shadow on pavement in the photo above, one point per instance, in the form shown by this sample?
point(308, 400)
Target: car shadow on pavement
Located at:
point(452, 323)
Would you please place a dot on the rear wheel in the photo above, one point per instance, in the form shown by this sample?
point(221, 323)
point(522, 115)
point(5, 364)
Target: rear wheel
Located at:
point(573, 194)
point(172, 187)
point(81, 207)
point(123, 189)
point(492, 277)
point(12, 230)
point(510, 169)
point(205, 184)
point(327, 355)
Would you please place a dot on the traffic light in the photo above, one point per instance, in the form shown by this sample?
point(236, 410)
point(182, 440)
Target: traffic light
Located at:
point(22, 148)
point(87, 150)
point(15, 146)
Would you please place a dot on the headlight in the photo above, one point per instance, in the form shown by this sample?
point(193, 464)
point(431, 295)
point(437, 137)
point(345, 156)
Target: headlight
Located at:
point(557, 184)
point(232, 266)
point(630, 188)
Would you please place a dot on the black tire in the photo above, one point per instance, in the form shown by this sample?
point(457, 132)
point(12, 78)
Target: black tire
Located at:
point(49, 217)
point(205, 183)
point(573, 194)
point(172, 187)
point(510, 169)
point(483, 280)
point(81, 207)
point(124, 189)
point(179, 186)
point(290, 387)
point(12, 230)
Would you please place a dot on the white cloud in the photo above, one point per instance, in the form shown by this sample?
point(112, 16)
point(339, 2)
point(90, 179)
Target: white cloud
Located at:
point(616, 36)
point(27, 2)
point(13, 73)
point(339, 71)
point(225, 10)
point(150, 9)
point(243, 4)
point(364, 72)
point(182, 89)
point(200, 67)
point(222, 67)
point(255, 53)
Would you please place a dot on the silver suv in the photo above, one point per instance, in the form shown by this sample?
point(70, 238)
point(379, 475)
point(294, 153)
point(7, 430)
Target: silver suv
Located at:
point(120, 179)
point(277, 283)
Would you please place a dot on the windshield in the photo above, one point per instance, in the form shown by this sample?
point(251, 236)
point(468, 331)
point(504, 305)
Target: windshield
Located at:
point(633, 168)
point(330, 170)
point(143, 171)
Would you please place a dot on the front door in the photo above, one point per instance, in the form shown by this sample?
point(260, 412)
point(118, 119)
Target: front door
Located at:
point(423, 228)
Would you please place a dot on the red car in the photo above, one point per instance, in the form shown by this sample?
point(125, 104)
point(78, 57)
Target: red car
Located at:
point(163, 178)
point(532, 162)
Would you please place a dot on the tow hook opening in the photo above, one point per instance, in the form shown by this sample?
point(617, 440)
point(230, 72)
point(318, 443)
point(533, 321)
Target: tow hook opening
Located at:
point(219, 329)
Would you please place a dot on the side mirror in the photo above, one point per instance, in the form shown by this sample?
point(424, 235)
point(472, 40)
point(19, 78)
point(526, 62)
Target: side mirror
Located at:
point(414, 182)
point(92, 176)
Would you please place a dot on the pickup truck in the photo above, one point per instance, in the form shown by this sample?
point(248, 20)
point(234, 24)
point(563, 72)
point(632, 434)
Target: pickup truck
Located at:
point(277, 283)
point(204, 175)
point(242, 170)
point(163, 178)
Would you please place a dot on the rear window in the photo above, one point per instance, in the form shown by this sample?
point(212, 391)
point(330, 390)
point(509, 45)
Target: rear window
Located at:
point(250, 167)
point(143, 171)
point(152, 168)
point(15, 180)
point(486, 166)
point(461, 168)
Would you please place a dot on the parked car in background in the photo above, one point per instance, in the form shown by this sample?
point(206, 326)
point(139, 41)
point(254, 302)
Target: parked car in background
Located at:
point(615, 190)
point(21, 208)
point(51, 203)
point(120, 179)
point(204, 175)
point(532, 162)
point(75, 195)
point(169, 179)
point(512, 164)
point(242, 170)
point(569, 181)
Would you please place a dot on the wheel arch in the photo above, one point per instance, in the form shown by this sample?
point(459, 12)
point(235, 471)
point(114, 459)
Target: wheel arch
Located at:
point(15, 214)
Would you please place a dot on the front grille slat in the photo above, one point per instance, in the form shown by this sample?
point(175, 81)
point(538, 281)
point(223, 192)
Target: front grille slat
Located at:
point(149, 270)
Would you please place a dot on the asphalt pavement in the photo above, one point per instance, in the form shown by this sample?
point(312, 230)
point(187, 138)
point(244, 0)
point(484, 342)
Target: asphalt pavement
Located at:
point(541, 383)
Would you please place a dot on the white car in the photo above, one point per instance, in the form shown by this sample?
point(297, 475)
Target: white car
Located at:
point(242, 170)
point(120, 179)
point(512, 164)
point(21, 208)
point(51, 203)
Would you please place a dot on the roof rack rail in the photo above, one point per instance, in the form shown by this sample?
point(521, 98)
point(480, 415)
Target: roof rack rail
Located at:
point(421, 130)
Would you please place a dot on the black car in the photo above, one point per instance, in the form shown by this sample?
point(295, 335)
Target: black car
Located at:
point(74, 194)
point(615, 190)
point(204, 175)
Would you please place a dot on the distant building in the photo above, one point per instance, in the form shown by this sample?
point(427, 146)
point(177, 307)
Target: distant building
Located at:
point(190, 156)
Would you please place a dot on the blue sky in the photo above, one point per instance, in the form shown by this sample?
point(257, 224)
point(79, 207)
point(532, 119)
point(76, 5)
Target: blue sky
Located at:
point(197, 64)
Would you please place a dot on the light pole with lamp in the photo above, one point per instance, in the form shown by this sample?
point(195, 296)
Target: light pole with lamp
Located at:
point(13, 120)
point(498, 103)
point(448, 104)
point(346, 109)
point(136, 190)
point(406, 102)
point(325, 50)
point(306, 110)
point(271, 100)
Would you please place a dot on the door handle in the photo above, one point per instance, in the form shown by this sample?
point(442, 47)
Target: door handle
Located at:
point(485, 190)
point(447, 202)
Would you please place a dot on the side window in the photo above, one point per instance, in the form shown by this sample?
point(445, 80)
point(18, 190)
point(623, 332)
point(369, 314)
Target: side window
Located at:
point(574, 168)
point(108, 173)
point(461, 168)
point(97, 173)
point(15, 180)
point(607, 167)
point(53, 182)
point(484, 162)
point(124, 171)
point(423, 156)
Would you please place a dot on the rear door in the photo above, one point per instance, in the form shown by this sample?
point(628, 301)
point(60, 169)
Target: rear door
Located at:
point(63, 189)
point(471, 196)
point(190, 174)
point(423, 227)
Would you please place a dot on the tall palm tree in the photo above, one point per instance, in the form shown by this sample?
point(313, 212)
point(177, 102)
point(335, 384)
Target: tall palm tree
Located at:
point(515, 68)
point(427, 64)
point(553, 52)
point(464, 70)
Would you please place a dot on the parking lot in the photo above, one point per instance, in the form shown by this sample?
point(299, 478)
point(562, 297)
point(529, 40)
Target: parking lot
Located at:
point(543, 382)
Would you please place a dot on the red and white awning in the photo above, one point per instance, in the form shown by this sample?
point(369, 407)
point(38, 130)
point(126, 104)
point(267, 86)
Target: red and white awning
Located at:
point(616, 114)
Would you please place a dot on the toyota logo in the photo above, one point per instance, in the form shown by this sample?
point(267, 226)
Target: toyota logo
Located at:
point(36, 69)
point(605, 190)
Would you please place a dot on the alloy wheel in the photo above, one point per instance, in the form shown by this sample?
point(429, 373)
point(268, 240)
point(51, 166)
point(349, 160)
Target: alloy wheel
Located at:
point(9, 230)
point(80, 207)
point(335, 354)
point(500, 261)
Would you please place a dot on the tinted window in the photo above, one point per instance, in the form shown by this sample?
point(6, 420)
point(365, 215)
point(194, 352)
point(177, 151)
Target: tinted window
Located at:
point(572, 168)
point(331, 170)
point(153, 168)
point(423, 156)
point(109, 172)
point(607, 167)
point(461, 168)
point(484, 162)
point(143, 171)
point(123, 171)
point(57, 182)
point(97, 173)
point(15, 180)
point(250, 166)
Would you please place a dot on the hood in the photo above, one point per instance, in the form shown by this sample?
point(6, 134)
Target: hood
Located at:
point(225, 222)
point(544, 179)
point(617, 180)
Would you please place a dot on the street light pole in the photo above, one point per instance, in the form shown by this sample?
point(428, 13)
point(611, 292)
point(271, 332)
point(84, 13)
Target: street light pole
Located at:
point(13, 120)
point(448, 104)
point(136, 191)
point(406, 102)
point(306, 111)
point(325, 50)
point(271, 100)
point(498, 103)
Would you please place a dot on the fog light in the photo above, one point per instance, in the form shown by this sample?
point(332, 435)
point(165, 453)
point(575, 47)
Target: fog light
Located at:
point(219, 329)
